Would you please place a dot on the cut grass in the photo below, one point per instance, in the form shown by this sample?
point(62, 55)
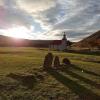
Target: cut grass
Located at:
point(73, 84)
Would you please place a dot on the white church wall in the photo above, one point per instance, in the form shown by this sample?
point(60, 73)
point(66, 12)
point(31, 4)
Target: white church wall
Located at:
point(61, 46)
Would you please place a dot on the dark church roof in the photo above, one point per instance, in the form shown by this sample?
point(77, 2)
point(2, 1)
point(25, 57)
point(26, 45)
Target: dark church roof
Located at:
point(56, 42)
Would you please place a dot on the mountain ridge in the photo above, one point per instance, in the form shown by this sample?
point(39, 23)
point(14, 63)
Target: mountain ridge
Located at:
point(92, 41)
point(10, 41)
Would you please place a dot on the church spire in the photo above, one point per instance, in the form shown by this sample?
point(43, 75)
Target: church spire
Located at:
point(64, 37)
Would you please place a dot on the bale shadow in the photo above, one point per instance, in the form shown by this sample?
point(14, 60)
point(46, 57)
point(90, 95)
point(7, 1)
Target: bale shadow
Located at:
point(88, 81)
point(87, 52)
point(84, 93)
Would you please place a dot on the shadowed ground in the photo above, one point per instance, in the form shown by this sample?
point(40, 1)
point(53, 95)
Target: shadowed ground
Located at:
point(81, 78)
point(85, 71)
point(84, 93)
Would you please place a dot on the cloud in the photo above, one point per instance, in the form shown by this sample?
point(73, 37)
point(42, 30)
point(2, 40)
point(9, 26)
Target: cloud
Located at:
point(1, 2)
point(52, 17)
point(70, 33)
point(71, 15)
point(35, 5)
point(83, 21)
point(12, 16)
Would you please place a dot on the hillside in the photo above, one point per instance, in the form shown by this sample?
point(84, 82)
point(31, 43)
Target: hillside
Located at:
point(9, 41)
point(90, 42)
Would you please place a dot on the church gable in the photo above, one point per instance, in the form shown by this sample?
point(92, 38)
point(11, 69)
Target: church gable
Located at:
point(59, 44)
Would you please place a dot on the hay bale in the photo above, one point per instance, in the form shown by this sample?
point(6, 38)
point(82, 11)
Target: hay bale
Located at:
point(66, 61)
point(48, 60)
point(27, 80)
point(56, 62)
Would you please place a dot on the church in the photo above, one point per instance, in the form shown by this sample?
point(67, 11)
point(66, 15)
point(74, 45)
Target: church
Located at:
point(59, 44)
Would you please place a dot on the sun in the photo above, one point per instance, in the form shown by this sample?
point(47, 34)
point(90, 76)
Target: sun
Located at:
point(18, 32)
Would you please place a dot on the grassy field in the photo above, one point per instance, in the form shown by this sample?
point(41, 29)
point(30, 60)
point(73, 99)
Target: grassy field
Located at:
point(80, 82)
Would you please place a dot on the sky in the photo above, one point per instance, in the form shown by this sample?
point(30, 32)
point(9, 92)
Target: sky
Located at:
point(49, 19)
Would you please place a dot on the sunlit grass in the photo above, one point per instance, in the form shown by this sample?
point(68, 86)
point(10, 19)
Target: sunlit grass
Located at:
point(30, 60)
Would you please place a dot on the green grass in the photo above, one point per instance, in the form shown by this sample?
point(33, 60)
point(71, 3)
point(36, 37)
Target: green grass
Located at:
point(65, 84)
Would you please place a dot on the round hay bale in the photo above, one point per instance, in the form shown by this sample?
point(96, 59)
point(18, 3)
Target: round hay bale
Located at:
point(66, 61)
point(48, 60)
point(56, 62)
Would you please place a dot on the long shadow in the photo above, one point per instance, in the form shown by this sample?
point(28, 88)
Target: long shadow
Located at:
point(85, 71)
point(88, 81)
point(84, 93)
point(96, 53)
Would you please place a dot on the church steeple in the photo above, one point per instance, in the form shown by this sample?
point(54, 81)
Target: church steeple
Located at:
point(64, 37)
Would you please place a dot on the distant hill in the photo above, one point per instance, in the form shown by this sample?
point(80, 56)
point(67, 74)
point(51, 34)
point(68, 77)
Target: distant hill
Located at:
point(9, 41)
point(93, 41)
